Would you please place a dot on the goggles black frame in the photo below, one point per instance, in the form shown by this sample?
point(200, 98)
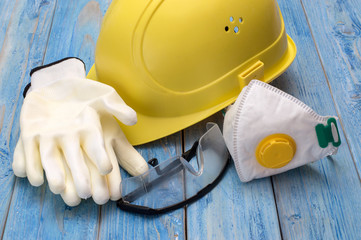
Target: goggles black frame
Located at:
point(168, 171)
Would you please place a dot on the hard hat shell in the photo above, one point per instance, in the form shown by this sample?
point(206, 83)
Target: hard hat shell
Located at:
point(177, 62)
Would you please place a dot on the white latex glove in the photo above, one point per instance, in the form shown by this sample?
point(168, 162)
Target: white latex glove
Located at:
point(68, 129)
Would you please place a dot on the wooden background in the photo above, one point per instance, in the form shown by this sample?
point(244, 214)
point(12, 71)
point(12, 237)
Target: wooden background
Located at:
point(319, 201)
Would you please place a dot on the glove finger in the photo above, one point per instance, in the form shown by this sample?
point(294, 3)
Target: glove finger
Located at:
point(19, 164)
point(125, 153)
point(74, 158)
point(93, 146)
point(99, 184)
point(52, 162)
point(69, 195)
point(128, 157)
point(115, 105)
point(34, 169)
point(114, 178)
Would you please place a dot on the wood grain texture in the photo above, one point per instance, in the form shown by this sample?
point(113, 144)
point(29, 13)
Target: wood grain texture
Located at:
point(233, 210)
point(2, 115)
point(25, 26)
point(320, 200)
point(338, 23)
point(317, 201)
point(75, 30)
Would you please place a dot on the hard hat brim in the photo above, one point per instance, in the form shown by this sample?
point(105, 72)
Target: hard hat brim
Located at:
point(150, 128)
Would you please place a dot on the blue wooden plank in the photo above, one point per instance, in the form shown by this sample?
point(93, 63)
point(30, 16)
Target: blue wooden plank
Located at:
point(322, 199)
point(233, 210)
point(75, 30)
point(338, 24)
point(6, 11)
point(25, 26)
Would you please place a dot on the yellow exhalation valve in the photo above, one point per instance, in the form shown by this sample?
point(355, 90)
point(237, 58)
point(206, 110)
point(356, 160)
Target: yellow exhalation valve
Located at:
point(275, 151)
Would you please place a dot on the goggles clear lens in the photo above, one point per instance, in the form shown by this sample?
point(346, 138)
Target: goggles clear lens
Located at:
point(180, 180)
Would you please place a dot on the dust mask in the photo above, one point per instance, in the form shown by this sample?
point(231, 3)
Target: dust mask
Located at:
point(268, 131)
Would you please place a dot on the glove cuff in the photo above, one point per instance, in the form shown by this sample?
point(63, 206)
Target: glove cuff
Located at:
point(53, 72)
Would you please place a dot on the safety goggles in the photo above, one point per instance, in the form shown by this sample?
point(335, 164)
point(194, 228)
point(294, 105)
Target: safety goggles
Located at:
point(178, 181)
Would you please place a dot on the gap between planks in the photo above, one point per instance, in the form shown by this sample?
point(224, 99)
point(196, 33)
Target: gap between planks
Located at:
point(185, 207)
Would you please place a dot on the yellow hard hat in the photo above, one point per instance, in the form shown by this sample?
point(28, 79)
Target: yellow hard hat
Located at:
point(177, 62)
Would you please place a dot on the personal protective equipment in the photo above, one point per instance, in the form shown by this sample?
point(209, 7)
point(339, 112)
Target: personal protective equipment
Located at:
point(268, 131)
point(68, 129)
point(176, 182)
point(178, 62)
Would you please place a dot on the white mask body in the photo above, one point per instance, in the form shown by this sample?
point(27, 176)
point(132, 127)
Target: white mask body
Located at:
point(260, 112)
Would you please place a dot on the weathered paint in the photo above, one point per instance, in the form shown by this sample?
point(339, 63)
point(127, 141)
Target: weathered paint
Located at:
point(318, 201)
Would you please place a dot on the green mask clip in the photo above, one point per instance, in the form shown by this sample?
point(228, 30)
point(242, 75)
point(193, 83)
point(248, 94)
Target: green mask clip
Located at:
point(328, 134)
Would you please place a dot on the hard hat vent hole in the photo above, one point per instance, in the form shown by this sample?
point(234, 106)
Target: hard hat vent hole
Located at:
point(233, 22)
